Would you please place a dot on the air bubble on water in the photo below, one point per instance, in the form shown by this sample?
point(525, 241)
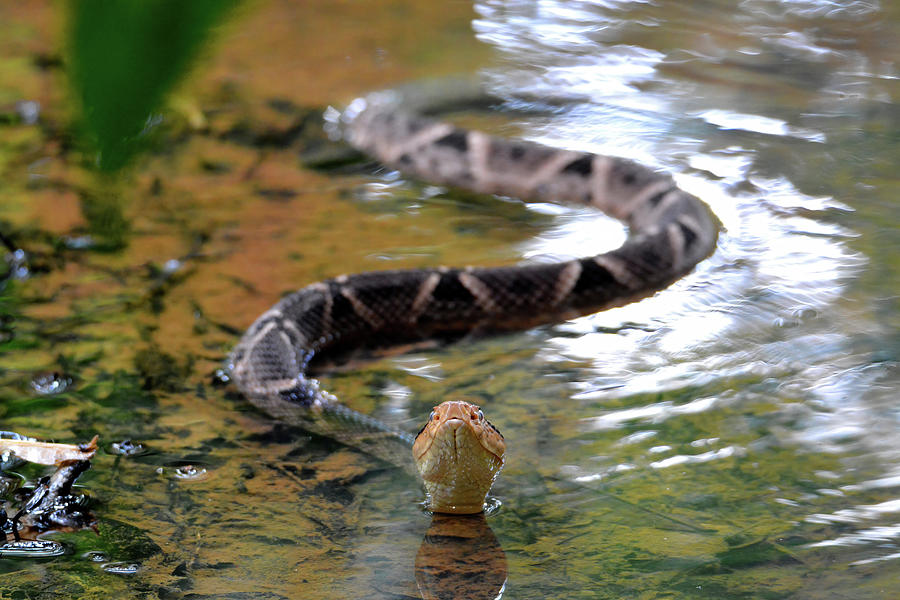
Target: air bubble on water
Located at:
point(127, 448)
point(189, 473)
point(31, 549)
point(47, 384)
point(96, 556)
point(122, 568)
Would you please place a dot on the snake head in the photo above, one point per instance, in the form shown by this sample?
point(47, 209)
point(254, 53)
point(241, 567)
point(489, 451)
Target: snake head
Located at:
point(458, 454)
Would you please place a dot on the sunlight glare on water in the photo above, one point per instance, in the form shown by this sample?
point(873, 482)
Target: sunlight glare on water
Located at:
point(765, 319)
point(799, 262)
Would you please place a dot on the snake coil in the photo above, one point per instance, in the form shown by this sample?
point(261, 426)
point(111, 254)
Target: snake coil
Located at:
point(670, 232)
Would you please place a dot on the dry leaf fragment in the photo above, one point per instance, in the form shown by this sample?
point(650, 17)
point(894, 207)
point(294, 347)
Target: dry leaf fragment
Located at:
point(47, 453)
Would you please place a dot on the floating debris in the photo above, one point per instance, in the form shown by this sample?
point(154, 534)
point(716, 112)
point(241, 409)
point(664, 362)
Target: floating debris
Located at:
point(50, 503)
point(8, 459)
point(31, 549)
point(48, 384)
point(44, 453)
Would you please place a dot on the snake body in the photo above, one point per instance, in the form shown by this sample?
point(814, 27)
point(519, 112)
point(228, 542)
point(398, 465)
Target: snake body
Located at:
point(670, 232)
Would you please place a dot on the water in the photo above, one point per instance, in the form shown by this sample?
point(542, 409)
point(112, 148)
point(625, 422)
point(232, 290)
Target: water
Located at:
point(731, 437)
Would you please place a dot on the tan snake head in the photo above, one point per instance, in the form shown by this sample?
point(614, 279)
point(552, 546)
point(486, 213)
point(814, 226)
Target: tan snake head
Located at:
point(458, 454)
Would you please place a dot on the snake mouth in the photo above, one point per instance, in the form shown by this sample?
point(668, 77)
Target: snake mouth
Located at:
point(456, 440)
point(448, 435)
point(458, 431)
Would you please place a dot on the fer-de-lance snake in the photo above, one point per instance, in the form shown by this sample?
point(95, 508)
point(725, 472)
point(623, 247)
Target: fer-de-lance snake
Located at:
point(670, 231)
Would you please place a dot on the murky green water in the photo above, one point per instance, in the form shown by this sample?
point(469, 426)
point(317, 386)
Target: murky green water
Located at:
point(733, 437)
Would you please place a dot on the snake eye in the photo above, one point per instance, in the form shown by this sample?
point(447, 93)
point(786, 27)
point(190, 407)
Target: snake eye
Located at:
point(480, 416)
point(433, 415)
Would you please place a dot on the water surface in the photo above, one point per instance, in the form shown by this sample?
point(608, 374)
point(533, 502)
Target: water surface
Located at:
point(732, 437)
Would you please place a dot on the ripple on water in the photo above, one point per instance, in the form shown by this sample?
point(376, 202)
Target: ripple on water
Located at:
point(684, 459)
point(726, 119)
point(870, 533)
point(761, 357)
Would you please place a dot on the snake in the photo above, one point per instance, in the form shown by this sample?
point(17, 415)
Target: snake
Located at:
point(670, 232)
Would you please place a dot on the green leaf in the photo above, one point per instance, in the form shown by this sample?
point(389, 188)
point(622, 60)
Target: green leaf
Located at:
point(125, 57)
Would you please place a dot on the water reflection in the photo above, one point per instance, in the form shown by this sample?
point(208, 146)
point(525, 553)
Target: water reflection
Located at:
point(460, 557)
